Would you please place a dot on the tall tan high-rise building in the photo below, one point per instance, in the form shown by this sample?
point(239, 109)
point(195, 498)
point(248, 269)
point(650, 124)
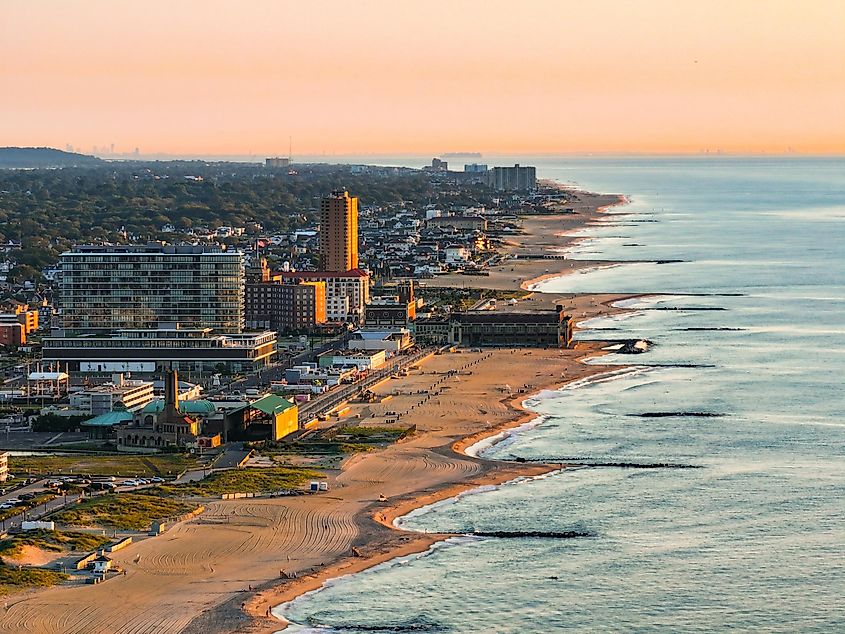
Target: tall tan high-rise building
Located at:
point(339, 232)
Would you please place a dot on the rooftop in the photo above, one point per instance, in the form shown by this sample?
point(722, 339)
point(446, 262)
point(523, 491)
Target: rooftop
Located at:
point(151, 249)
point(272, 404)
point(321, 274)
point(109, 419)
point(498, 317)
point(199, 406)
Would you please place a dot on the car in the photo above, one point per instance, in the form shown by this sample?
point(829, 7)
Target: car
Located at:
point(157, 480)
point(103, 486)
point(27, 496)
point(143, 481)
point(6, 506)
point(55, 483)
point(129, 483)
point(13, 501)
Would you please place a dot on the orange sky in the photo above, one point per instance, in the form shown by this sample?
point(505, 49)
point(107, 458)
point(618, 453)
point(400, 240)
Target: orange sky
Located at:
point(362, 76)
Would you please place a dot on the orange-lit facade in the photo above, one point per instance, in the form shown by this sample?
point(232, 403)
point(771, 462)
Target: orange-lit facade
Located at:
point(339, 232)
point(298, 305)
point(12, 335)
point(22, 314)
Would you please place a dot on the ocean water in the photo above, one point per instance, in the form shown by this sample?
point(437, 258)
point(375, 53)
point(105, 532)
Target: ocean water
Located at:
point(716, 496)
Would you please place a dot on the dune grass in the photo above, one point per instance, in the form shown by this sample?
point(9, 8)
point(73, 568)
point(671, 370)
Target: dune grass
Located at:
point(14, 579)
point(56, 541)
point(124, 511)
point(112, 465)
point(250, 480)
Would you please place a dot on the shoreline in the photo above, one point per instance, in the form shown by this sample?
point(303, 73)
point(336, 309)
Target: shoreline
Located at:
point(210, 578)
point(499, 472)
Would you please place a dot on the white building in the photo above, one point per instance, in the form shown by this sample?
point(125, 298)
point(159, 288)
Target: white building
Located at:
point(456, 254)
point(363, 360)
point(391, 341)
point(337, 308)
point(120, 394)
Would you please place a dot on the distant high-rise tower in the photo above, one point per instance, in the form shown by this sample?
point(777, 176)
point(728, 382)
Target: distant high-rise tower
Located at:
point(339, 232)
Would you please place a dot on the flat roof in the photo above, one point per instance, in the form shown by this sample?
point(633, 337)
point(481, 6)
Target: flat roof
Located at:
point(320, 274)
point(150, 249)
point(497, 317)
point(271, 404)
point(109, 419)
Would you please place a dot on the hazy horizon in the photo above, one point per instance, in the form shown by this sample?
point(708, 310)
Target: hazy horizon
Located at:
point(379, 78)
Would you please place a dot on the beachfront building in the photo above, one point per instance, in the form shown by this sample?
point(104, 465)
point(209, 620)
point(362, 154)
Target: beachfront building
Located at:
point(339, 232)
point(467, 223)
point(432, 331)
point(155, 350)
point(359, 359)
point(391, 340)
point(119, 287)
point(495, 328)
point(518, 178)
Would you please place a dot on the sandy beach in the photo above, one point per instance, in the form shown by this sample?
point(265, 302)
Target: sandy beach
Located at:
point(226, 569)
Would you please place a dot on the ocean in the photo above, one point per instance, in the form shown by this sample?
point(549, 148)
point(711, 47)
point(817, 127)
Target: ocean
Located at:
point(716, 496)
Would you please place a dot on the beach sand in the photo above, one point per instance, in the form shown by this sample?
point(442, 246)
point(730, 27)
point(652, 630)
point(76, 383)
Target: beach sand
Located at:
point(224, 570)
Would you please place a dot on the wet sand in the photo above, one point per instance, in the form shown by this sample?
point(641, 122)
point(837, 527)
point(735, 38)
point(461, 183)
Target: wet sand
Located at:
point(225, 570)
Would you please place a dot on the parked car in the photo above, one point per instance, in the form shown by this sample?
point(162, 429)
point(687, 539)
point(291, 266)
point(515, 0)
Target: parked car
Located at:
point(27, 496)
point(157, 480)
point(129, 483)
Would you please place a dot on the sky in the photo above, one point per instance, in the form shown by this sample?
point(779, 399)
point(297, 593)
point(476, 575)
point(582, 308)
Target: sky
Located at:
point(196, 77)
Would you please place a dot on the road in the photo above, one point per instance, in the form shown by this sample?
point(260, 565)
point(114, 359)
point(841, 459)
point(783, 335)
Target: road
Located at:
point(39, 511)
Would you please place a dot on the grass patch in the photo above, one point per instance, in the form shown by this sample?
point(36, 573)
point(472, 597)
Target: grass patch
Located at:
point(113, 465)
point(310, 448)
point(14, 579)
point(243, 481)
point(336, 441)
point(123, 511)
point(51, 540)
point(359, 434)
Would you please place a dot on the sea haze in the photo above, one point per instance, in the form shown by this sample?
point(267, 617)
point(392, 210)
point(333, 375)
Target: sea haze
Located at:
point(729, 511)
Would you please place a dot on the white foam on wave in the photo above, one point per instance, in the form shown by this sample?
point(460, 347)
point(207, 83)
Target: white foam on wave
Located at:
point(485, 444)
point(281, 611)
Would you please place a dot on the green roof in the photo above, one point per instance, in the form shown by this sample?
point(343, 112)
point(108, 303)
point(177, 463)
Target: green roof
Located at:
point(199, 406)
point(272, 404)
point(109, 419)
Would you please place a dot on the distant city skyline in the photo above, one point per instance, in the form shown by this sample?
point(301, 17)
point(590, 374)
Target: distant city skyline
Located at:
point(374, 77)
